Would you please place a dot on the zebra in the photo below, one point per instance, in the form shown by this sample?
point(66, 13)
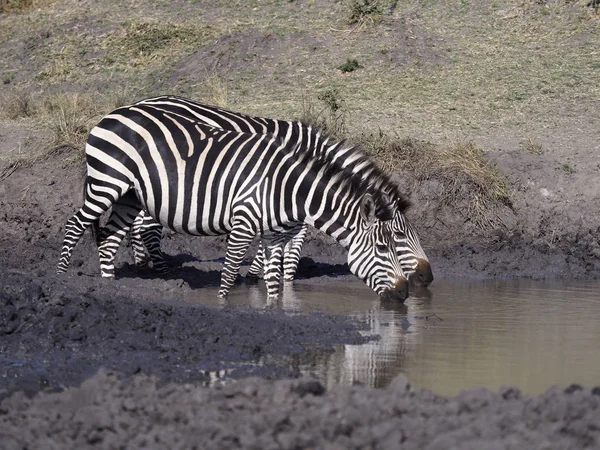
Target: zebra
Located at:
point(413, 259)
point(196, 179)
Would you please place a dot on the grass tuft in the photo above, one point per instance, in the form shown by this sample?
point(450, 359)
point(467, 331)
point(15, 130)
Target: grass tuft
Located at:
point(17, 105)
point(350, 66)
point(466, 175)
point(146, 38)
point(327, 113)
point(532, 146)
point(365, 11)
point(213, 90)
point(19, 6)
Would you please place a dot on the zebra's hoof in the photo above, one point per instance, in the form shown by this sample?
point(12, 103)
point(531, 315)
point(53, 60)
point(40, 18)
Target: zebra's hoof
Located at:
point(142, 263)
point(253, 275)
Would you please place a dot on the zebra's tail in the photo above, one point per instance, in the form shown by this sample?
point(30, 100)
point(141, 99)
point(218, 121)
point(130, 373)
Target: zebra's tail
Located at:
point(95, 226)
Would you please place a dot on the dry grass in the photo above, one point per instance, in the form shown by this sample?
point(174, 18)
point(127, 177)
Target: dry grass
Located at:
point(16, 105)
point(14, 6)
point(365, 11)
point(326, 112)
point(213, 90)
point(68, 118)
point(459, 66)
point(532, 146)
point(143, 39)
point(462, 168)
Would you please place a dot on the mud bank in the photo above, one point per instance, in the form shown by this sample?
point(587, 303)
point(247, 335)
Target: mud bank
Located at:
point(106, 412)
point(53, 338)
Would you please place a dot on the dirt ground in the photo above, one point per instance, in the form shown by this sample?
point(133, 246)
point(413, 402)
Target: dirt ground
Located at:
point(127, 363)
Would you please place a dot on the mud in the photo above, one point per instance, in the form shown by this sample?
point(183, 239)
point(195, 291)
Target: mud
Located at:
point(94, 363)
point(106, 412)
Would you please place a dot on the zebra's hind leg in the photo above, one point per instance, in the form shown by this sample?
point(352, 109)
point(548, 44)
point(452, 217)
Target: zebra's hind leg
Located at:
point(140, 258)
point(291, 256)
point(239, 240)
point(147, 233)
point(95, 203)
point(123, 214)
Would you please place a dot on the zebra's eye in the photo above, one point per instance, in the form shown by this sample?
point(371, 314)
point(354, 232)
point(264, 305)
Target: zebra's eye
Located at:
point(399, 235)
point(382, 248)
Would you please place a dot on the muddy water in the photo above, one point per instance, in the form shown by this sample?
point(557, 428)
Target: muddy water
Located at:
point(456, 335)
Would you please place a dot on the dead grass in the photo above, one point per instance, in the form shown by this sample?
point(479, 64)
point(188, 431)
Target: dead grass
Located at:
point(68, 117)
point(465, 173)
point(15, 6)
point(213, 90)
point(365, 11)
point(327, 112)
point(16, 105)
point(532, 146)
point(140, 39)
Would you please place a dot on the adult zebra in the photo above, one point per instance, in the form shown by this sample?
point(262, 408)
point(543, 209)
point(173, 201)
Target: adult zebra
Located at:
point(413, 259)
point(196, 179)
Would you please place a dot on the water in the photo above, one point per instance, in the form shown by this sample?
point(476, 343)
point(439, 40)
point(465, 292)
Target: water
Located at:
point(456, 335)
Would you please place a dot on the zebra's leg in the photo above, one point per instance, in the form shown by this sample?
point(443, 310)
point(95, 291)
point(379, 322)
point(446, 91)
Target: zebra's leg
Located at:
point(257, 262)
point(239, 240)
point(273, 258)
point(291, 256)
point(140, 257)
point(146, 234)
point(124, 212)
point(95, 203)
point(151, 234)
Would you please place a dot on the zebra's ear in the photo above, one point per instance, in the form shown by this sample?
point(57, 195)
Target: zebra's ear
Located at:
point(367, 208)
point(387, 211)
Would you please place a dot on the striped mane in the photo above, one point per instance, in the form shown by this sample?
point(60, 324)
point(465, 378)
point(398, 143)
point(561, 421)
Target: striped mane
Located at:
point(344, 161)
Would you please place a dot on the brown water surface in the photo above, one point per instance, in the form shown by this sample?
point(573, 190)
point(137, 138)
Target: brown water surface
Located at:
point(456, 335)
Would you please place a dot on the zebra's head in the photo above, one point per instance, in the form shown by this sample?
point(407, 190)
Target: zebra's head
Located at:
point(413, 259)
point(372, 254)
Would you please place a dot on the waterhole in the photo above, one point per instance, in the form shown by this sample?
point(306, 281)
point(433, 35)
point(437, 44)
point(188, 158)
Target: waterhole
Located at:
point(455, 335)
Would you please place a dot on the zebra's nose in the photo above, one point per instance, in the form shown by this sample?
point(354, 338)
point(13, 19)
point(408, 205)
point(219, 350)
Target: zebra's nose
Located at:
point(422, 276)
point(398, 292)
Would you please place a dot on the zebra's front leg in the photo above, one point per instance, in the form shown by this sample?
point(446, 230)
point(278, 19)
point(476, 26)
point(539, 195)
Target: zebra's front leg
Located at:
point(239, 240)
point(273, 257)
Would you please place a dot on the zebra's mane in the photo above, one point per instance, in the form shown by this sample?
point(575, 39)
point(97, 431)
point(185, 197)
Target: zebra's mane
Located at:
point(372, 178)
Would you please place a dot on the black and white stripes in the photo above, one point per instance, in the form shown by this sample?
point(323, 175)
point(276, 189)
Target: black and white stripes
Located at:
point(410, 252)
point(197, 179)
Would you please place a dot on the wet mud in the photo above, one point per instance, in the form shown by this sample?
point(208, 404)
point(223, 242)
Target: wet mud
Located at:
point(127, 363)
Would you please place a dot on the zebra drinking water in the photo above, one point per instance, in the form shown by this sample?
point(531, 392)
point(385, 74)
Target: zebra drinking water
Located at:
point(196, 179)
point(410, 252)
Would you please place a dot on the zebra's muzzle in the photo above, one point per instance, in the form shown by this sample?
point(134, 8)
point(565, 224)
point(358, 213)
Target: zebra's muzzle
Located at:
point(398, 293)
point(422, 276)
